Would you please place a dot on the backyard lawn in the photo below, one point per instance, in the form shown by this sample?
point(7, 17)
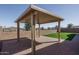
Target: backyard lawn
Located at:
point(63, 35)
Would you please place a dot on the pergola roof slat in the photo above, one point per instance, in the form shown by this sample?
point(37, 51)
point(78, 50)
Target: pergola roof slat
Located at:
point(42, 15)
point(44, 11)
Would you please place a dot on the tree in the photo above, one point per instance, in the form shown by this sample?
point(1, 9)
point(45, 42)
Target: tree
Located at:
point(27, 26)
point(69, 25)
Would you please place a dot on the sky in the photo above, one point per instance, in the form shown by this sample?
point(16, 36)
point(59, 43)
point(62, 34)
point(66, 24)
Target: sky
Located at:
point(70, 13)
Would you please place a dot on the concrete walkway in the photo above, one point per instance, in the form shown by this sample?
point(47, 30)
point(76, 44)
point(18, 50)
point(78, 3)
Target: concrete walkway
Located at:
point(45, 39)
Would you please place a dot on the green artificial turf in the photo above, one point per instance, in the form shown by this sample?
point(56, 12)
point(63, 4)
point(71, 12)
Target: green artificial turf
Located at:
point(63, 35)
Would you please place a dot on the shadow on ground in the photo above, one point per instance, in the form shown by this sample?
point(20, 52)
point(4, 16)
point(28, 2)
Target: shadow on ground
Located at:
point(64, 48)
point(67, 47)
point(11, 46)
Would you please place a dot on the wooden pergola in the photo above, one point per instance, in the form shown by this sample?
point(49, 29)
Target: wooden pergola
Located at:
point(36, 15)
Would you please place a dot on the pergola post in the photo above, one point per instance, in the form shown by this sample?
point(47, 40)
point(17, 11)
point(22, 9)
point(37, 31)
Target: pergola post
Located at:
point(39, 30)
point(58, 30)
point(18, 31)
point(38, 25)
point(33, 32)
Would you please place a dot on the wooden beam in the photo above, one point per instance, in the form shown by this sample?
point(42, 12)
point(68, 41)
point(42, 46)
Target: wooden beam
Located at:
point(38, 25)
point(18, 31)
point(39, 30)
point(33, 32)
point(58, 30)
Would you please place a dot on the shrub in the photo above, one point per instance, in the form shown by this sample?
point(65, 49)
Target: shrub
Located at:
point(70, 37)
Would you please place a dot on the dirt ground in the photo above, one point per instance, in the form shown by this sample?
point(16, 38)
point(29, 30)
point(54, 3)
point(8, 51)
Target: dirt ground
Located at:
point(13, 34)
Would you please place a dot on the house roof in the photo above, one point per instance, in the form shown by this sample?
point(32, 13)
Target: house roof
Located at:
point(44, 15)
